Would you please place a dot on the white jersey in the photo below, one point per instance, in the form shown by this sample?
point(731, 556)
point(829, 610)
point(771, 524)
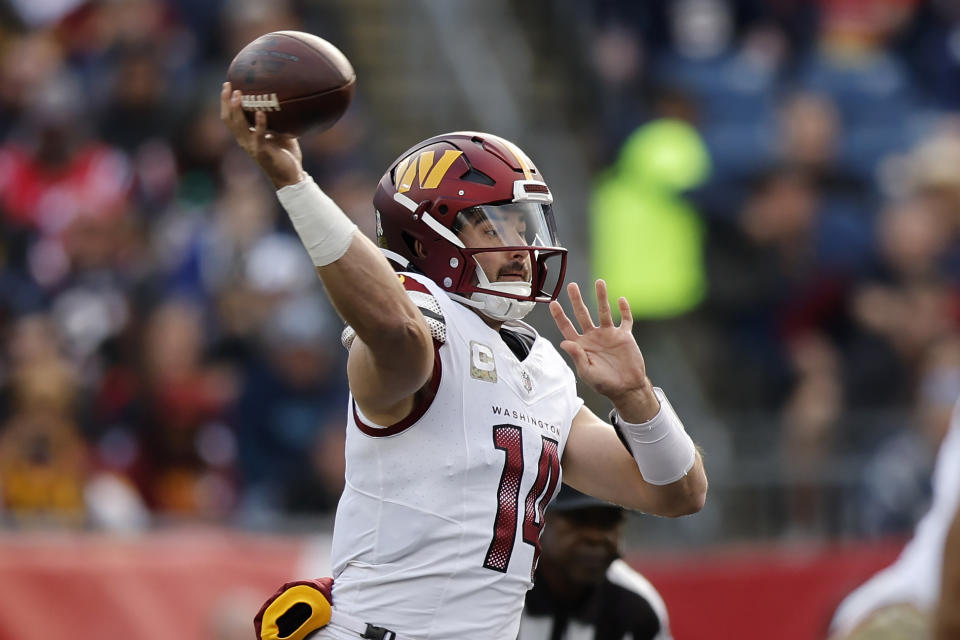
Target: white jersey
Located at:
point(437, 532)
point(914, 578)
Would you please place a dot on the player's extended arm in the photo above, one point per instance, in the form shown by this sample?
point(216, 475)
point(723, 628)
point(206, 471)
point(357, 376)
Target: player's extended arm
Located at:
point(947, 618)
point(596, 462)
point(392, 357)
point(659, 470)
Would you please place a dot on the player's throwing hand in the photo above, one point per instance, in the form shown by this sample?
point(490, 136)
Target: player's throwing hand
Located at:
point(279, 155)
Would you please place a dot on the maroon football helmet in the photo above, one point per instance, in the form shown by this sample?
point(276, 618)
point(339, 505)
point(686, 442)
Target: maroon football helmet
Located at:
point(455, 196)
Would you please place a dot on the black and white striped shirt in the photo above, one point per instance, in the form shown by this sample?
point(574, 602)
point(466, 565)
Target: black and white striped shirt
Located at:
point(625, 606)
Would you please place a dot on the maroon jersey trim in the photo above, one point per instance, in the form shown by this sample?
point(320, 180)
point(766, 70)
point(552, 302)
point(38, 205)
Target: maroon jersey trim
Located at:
point(418, 409)
point(412, 285)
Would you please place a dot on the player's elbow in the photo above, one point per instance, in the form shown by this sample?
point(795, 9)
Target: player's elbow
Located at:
point(690, 505)
point(680, 508)
point(687, 498)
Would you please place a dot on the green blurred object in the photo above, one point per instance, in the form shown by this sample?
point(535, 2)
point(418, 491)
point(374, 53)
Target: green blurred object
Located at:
point(647, 241)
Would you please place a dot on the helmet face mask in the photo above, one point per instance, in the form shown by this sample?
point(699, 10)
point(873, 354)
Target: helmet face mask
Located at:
point(471, 212)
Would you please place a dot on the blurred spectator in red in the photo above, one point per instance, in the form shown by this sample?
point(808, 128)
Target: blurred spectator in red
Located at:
point(185, 455)
point(52, 175)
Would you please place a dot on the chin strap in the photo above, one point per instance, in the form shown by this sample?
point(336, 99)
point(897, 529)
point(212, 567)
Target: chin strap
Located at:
point(497, 307)
point(493, 305)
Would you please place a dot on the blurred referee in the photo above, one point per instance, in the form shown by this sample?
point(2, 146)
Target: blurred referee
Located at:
point(582, 589)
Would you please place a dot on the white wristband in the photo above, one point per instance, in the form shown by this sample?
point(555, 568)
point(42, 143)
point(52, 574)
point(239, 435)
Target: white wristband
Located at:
point(324, 229)
point(663, 450)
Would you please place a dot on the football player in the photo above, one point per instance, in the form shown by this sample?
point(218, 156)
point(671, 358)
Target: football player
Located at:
point(461, 417)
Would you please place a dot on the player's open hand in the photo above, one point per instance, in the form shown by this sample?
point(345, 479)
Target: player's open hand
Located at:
point(277, 154)
point(606, 355)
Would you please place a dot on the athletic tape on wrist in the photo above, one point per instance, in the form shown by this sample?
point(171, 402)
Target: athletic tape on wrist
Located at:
point(662, 448)
point(324, 229)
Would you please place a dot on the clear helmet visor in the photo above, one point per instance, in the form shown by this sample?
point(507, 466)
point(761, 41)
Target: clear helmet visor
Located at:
point(515, 248)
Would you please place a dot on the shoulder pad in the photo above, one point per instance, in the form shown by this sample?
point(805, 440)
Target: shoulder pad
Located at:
point(428, 306)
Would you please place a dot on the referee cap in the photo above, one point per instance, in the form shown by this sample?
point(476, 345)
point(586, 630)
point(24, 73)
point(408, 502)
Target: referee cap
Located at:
point(569, 499)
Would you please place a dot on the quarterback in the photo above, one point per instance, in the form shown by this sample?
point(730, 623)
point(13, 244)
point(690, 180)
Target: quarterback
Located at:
point(463, 421)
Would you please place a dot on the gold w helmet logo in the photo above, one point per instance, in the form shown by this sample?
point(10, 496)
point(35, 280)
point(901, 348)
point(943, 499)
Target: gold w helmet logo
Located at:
point(430, 174)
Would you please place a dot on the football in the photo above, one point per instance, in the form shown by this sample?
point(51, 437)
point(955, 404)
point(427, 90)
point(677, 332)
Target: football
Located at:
point(302, 82)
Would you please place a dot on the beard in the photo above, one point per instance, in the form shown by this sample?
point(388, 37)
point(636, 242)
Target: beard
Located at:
point(516, 267)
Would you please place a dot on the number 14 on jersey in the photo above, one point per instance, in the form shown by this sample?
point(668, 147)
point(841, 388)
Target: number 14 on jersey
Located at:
point(509, 439)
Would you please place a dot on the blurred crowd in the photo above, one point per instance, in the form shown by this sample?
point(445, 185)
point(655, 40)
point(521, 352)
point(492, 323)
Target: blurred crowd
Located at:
point(777, 181)
point(798, 166)
point(167, 352)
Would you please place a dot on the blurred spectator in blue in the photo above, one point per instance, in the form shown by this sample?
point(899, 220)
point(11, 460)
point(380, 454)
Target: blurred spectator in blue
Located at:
point(732, 80)
point(140, 116)
point(807, 138)
point(140, 104)
point(204, 251)
point(291, 413)
point(619, 60)
point(352, 191)
point(852, 63)
point(931, 46)
point(768, 286)
point(902, 307)
point(908, 300)
point(896, 481)
point(272, 272)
